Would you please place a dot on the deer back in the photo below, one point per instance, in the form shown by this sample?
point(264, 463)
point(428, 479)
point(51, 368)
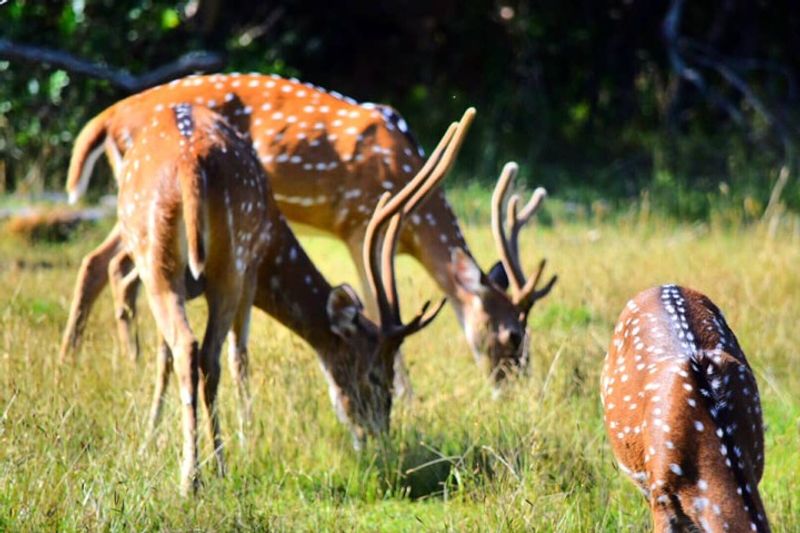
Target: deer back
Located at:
point(190, 182)
point(682, 412)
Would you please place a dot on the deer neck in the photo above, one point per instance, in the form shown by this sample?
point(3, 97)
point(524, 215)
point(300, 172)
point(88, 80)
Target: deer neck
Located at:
point(293, 291)
point(431, 236)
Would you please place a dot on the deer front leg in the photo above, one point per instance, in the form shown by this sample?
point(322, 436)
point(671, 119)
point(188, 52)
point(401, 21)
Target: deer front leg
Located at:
point(125, 288)
point(92, 277)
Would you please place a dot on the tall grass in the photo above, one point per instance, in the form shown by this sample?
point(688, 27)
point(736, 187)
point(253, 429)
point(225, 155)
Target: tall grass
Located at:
point(455, 460)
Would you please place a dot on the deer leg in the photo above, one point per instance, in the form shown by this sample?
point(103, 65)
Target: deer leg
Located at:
point(668, 514)
point(662, 522)
point(92, 277)
point(163, 372)
point(221, 311)
point(169, 311)
point(402, 388)
point(125, 287)
point(238, 357)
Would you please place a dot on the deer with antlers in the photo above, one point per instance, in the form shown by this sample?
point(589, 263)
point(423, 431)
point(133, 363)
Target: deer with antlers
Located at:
point(524, 291)
point(196, 215)
point(329, 160)
point(683, 415)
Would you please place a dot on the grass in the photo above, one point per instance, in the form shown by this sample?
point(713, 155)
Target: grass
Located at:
point(455, 460)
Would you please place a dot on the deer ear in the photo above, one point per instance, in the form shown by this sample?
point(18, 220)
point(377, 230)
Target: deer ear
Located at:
point(466, 272)
point(498, 276)
point(343, 308)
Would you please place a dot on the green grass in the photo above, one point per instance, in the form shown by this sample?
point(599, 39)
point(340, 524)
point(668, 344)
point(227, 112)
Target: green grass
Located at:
point(455, 460)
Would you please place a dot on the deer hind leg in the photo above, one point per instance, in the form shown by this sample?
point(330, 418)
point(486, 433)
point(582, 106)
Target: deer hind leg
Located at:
point(222, 307)
point(92, 277)
point(669, 516)
point(163, 372)
point(238, 357)
point(169, 311)
point(125, 288)
point(402, 387)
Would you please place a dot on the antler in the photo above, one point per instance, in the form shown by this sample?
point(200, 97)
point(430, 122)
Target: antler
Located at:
point(523, 291)
point(378, 253)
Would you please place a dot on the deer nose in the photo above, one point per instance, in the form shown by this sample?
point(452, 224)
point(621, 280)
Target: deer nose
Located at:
point(515, 339)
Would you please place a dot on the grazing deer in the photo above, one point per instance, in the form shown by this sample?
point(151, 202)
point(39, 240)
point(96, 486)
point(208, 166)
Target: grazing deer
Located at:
point(682, 412)
point(524, 290)
point(193, 196)
point(329, 160)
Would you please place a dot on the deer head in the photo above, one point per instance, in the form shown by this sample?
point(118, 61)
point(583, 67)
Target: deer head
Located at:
point(498, 304)
point(362, 373)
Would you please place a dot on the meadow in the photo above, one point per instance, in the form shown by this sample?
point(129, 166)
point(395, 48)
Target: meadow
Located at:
point(456, 460)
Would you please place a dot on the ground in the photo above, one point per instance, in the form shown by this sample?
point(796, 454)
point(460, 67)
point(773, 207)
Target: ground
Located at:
point(537, 459)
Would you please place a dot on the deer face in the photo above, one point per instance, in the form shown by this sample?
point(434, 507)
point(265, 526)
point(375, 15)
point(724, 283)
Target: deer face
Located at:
point(495, 321)
point(360, 379)
point(494, 326)
point(361, 369)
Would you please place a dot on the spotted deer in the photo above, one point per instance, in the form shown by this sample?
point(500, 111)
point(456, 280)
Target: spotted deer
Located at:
point(682, 412)
point(524, 291)
point(196, 215)
point(329, 159)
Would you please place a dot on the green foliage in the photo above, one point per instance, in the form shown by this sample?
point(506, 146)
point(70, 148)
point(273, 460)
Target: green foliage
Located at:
point(581, 94)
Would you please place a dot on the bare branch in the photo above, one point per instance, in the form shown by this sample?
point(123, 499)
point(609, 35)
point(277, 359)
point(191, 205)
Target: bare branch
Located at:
point(670, 31)
point(120, 78)
point(739, 84)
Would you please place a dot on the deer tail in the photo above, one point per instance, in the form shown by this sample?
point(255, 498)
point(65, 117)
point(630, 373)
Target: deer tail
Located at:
point(87, 149)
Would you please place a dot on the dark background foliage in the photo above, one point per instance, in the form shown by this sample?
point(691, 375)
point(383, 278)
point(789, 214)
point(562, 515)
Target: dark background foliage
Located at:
point(593, 98)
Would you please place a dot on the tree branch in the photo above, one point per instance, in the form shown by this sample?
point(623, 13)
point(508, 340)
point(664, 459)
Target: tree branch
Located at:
point(739, 84)
point(120, 78)
point(670, 31)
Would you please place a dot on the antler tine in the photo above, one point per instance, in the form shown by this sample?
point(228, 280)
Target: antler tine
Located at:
point(533, 204)
point(515, 277)
point(516, 221)
point(444, 165)
point(386, 207)
point(544, 291)
point(523, 291)
point(512, 208)
point(435, 169)
point(424, 317)
point(378, 253)
point(387, 265)
point(530, 295)
point(398, 200)
point(371, 244)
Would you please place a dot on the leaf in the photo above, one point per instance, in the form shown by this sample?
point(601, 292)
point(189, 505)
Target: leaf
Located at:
point(170, 19)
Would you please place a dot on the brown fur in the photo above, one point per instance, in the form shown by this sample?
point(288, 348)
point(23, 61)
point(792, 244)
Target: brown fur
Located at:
point(682, 412)
point(329, 160)
point(162, 202)
point(252, 257)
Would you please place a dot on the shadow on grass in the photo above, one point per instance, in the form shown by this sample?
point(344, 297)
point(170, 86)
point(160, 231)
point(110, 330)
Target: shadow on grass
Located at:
point(421, 466)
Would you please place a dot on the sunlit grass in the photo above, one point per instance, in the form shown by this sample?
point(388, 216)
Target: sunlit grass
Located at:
point(456, 459)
